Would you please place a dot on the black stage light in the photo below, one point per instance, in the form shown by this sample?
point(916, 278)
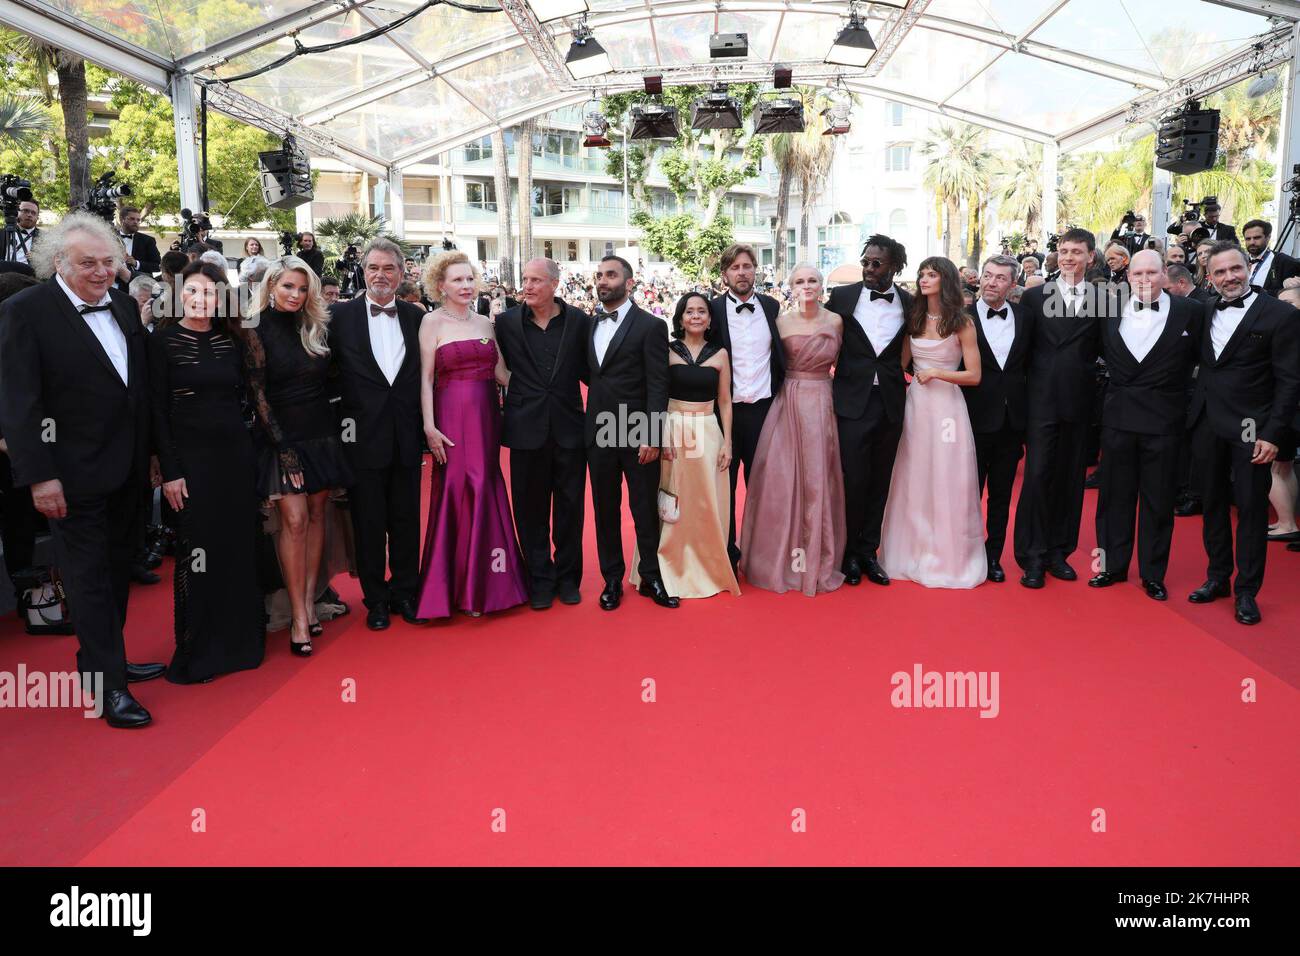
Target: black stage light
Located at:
point(586, 57)
point(716, 110)
point(728, 45)
point(783, 77)
point(783, 115)
point(654, 85)
point(854, 46)
point(654, 121)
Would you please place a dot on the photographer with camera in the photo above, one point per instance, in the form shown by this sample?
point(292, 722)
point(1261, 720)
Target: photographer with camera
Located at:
point(1218, 231)
point(17, 240)
point(351, 277)
point(1132, 233)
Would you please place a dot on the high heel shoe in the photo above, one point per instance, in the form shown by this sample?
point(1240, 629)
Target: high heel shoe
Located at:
point(316, 629)
point(300, 648)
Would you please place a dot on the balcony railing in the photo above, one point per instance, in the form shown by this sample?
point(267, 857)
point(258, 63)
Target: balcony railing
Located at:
point(546, 163)
point(553, 214)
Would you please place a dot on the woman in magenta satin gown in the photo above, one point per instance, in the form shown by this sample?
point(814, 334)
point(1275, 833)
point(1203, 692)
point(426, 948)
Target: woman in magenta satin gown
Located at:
point(472, 561)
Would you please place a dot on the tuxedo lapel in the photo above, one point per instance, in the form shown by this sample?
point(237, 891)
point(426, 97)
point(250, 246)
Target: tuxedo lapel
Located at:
point(1018, 342)
point(565, 332)
point(1239, 334)
point(81, 329)
point(1122, 351)
point(367, 346)
point(410, 335)
point(1173, 330)
point(619, 335)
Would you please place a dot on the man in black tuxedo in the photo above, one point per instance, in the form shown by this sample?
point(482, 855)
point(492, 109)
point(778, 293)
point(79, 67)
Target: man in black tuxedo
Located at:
point(868, 391)
point(18, 240)
point(544, 344)
point(998, 405)
point(743, 322)
point(74, 411)
point(1150, 349)
point(1246, 394)
point(1218, 231)
point(1065, 315)
point(374, 340)
point(1268, 267)
point(1133, 237)
point(627, 402)
point(141, 250)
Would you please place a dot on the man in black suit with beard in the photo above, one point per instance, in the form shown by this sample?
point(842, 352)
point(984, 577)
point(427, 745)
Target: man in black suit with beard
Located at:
point(627, 402)
point(1246, 394)
point(1065, 315)
point(869, 391)
point(743, 322)
point(374, 342)
point(1269, 268)
point(999, 404)
point(1150, 349)
point(142, 254)
point(74, 411)
point(1218, 231)
point(544, 343)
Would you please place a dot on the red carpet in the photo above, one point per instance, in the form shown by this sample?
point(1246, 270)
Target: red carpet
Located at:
point(764, 704)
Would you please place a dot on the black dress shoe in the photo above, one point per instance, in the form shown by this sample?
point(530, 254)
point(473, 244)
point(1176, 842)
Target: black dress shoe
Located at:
point(377, 617)
point(142, 575)
point(875, 573)
point(1188, 507)
point(1208, 591)
point(1247, 609)
point(852, 571)
point(123, 710)
point(1106, 578)
point(1059, 569)
point(996, 574)
point(1033, 577)
point(655, 589)
point(406, 608)
point(541, 601)
point(1293, 546)
point(611, 596)
point(1155, 590)
point(135, 673)
point(569, 594)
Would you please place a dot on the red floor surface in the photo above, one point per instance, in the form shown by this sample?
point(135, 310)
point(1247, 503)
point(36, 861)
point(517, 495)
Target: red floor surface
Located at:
point(765, 704)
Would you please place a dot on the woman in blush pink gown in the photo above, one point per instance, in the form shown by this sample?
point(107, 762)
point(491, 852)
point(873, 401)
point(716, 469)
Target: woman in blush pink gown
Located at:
point(932, 532)
point(794, 534)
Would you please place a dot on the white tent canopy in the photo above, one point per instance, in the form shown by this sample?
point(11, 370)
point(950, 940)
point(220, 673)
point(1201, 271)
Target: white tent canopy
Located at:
point(1059, 72)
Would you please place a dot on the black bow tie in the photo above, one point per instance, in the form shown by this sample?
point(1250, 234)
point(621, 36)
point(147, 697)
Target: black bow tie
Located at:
point(744, 306)
point(1074, 289)
point(1255, 262)
point(998, 313)
point(1237, 303)
point(1140, 305)
point(389, 310)
point(87, 309)
point(887, 296)
point(602, 316)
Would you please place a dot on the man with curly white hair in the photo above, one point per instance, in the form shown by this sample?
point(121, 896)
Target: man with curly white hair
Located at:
point(74, 410)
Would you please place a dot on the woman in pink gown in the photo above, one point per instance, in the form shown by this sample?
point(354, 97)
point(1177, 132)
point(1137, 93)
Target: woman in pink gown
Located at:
point(932, 533)
point(793, 534)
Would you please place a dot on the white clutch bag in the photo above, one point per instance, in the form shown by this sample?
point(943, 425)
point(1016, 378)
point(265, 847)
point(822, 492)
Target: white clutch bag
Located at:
point(669, 510)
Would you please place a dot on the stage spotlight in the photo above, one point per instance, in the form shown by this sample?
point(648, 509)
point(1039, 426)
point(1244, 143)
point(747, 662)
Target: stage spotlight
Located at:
point(547, 10)
point(837, 120)
point(1263, 85)
point(783, 77)
point(854, 46)
point(728, 45)
point(783, 115)
point(586, 57)
point(654, 85)
point(594, 130)
point(654, 121)
point(716, 110)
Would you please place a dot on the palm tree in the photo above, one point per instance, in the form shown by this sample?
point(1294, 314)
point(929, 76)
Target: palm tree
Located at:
point(72, 96)
point(1103, 186)
point(806, 158)
point(505, 240)
point(1020, 197)
point(960, 169)
point(353, 229)
point(21, 120)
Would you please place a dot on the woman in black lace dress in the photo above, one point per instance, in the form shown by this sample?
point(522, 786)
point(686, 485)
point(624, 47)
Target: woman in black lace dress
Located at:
point(302, 457)
point(196, 372)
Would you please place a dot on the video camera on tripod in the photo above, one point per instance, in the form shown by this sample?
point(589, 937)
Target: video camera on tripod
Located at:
point(287, 241)
point(1291, 186)
point(14, 190)
point(103, 196)
point(192, 223)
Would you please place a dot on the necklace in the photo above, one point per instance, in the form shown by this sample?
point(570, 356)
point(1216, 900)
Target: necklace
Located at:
point(458, 318)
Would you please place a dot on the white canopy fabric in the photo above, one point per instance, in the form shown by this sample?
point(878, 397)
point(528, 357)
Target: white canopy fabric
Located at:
point(1056, 71)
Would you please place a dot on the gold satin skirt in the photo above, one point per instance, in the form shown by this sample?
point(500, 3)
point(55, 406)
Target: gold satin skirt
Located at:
point(693, 559)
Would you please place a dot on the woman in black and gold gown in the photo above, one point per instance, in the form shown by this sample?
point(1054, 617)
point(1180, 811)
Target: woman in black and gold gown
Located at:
point(302, 457)
point(695, 465)
point(196, 373)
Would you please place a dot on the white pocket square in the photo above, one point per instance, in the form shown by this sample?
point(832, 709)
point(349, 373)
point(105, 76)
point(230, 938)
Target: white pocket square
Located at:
point(1184, 331)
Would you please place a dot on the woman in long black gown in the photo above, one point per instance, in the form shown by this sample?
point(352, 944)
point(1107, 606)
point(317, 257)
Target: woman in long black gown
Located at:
point(302, 458)
point(196, 372)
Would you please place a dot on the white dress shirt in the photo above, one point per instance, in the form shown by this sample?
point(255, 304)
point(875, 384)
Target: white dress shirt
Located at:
point(128, 242)
point(17, 252)
point(880, 319)
point(1225, 322)
point(1000, 333)
point(1141, 328)
point(751, 351)
point(1072, 300)
point(386, 340)
point(1259, 273)
point(105, 328)
point(605, 329)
